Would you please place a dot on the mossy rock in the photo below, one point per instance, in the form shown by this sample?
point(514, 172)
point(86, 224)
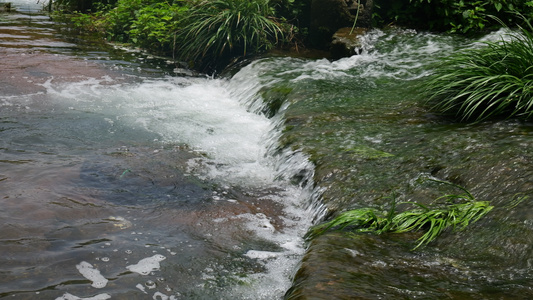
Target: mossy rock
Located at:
point(368, 152)
point(274, 99)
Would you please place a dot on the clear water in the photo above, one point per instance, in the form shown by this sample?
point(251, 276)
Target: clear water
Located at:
point(123, 176)
point(118, 180)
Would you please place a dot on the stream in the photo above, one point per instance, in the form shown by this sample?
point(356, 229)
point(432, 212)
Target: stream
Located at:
point(125, 176)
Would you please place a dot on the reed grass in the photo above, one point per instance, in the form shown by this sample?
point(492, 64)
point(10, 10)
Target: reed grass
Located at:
point(459, 211)
point(227, 27)
point(492, 81)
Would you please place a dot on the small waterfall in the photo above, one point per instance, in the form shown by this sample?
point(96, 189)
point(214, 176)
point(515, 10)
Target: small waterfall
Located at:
point(234, 147)
point(119, 180)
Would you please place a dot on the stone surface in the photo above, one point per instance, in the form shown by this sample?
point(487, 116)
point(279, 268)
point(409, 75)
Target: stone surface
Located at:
point(346, 42)
point(327, 16)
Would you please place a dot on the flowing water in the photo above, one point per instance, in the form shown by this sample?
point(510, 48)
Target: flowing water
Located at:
point(123, 176)
point(119, 180)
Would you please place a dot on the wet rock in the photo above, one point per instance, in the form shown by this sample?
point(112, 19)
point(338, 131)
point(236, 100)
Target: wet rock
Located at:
point(327, 16)
point(347, 266)
point(346, 42)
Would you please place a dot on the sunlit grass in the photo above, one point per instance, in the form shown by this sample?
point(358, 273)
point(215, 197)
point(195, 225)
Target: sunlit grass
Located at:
point(459, 211)
point(227, 27)
point(491, 81)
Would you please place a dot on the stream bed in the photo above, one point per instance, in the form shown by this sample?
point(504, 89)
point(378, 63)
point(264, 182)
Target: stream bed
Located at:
point(123, 176)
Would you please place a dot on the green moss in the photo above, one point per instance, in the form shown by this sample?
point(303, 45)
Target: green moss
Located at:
point(368, 152)
point(274, 99)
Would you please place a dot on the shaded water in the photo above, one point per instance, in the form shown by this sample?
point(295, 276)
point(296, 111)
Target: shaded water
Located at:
point(121, 179)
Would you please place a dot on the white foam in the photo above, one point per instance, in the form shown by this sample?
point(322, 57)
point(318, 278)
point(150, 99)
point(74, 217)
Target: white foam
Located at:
point(502, 34)
point(68, 296)
point(147, 265)
point(141, 288)
point(161, 296)
point(257, 254)
point(405, 61)
point(93, 274)
point(211, 116)
point(199, 112)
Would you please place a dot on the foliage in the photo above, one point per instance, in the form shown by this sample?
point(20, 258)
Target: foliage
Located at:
point(459, 16)
point(83, 6)
point(197, 31)
point(145, 23)
point(155, 26)
point(294, 12)
point(79, 22)
point(222, 28)
point(434, 220)
point(491, 81)
point(121, 18)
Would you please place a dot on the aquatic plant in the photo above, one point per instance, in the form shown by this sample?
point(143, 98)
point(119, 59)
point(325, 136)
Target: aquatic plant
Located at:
point(227, 28)
point(434, 220)
point(491, 81)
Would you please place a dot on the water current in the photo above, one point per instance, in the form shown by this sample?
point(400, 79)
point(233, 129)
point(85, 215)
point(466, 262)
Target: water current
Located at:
point(123, 176)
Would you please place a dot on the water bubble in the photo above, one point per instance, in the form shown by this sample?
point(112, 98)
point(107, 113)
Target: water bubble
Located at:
point(150, 284)
point(106, 259)
point(128, 251)
point(160, 296)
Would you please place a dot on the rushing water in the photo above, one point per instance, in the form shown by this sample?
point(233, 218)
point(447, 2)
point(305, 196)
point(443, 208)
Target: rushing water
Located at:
point(121, 181)
point(122, 176)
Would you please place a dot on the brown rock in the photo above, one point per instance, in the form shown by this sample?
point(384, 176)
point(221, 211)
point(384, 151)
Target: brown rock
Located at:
point(346, 42)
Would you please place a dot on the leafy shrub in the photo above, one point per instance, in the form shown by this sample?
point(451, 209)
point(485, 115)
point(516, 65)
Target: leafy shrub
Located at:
point(155, 26)
point(459, 16)
point(121, 17)
point(227, 28)
point(82, 6)
point(491, 81)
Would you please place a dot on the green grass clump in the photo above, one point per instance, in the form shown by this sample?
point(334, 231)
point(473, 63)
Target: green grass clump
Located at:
point(459, 211)
point(492, 81)
point(224, 28)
